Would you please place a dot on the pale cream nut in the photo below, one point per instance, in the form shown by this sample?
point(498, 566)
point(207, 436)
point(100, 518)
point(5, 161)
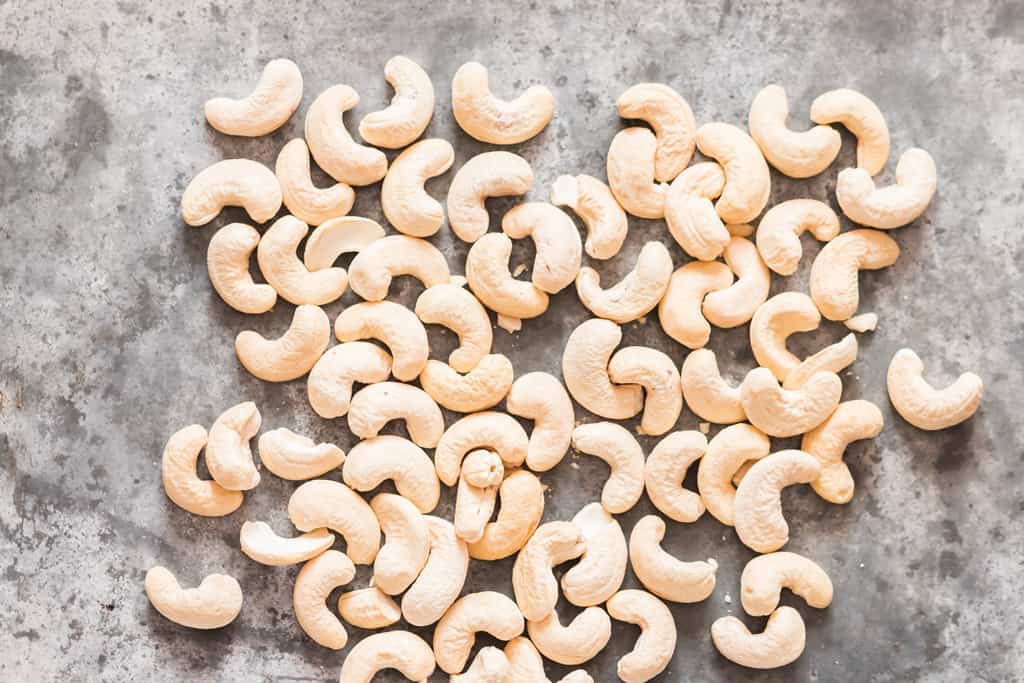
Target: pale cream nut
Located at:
point(322, 503)
point(332, 146)
point(851, 421)
point(396, 326)
point(410, 111)
point(181, 483)
point(259, 541)
point(747, 180)
point(369, 608)
point(457, 309)
point(778, 233)
point(636, 294)
point(522, 506)
point(540, 397)
point(833, 358)
point(303, 199)
point(657, 642)
point(231, 182)
point(726, 453)
point(760, 523)
point(486, 611)
point(482, 473)
point(834, 275)
point(630, 169)
point(489, 119)
point(616, 446)
point(313, 585)
point(401, 650)
point(672, 120)
point(406, 204)
point(681, 309)
point(765, 576)
point(482, 387)
point(497, 431)
point(371, 461)
point(557, 242)
point(406, 543)
point(491, 174)
point(797, 154)
point(663, 574)
point(594, 202)
point(861, 117)
point(578, 642)
point(585, 371)
point(442, 577)
point(665, 470)
point(774, 320)
point(227, 262)
point(295, 457)
point(707, 394)
point(919, 403)
point(329, 386)
point(489, 278)
point(788, 412)
point(528, 666)
point(781, 643)
point(375, 405)
point(374, 267)
point(533, 580)
point(265, 109)
point(490, 665)
point(657, 374)
point(228, 455)
point(691, 217)
point(735, 305)
point(213, 604)
point(291, 355)
point(337, 236)
point(602, 567)
point(288, 275)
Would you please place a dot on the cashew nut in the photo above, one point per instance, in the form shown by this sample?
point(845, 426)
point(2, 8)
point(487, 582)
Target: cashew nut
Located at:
point(228, 456)
point(922, 405)
point(690, 215)
point(486, 611)
point(726, 453)
point(377, 404)
point(497, 431)
point(406, 204)
point(862, 118)
point(482, 472)
point(372, 461)
point(787, 412)
point(288, 275)
point(797, 154)
point(491, 174)
point(657, 642)
point(213, 604)
point(585, 370)
point(330, 381)
point(489, 119)
point(322, 503)
point(834, 276)
point(735, 305)
point(601, 569)
point(313, 585)
point(296, 457)
point(333, 147)
point(261, 543)
point(774, 320)
point(231, 182)
point(396, 326)
point(181, 483)
point(657, 374)
point(369, 608)
point(482, 387)
point(540, 397)
point(304, 200)
point(458, 310)
point(765, 576)
point(633, 296)
point(338, 236)
point(747, 181)
point(406, 543)
point(594, 202)
point(533, 581)
point(672, 120)
point(227, 262)
point(681, 309)
point(760, 523)
point(616, 446)
point(265, 109)
point(528, 667)
point(630, 169)
point(665, 470)
point(833, 358)
point(579, 642)
point(781, 642)
point(559, 249)
point(663, 574)
point(374, 267)
point(864, 322)
point(489, 666)
point(442, 578)
point(401, 650)
point(409, 113)
point(707, 394)
point(291, 355)
point(522, 506)
point(490, 280)
point(778, 233)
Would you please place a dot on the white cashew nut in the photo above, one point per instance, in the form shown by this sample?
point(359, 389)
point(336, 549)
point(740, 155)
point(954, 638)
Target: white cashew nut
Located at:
point(725, 455)
point(616, 446)
point(482, 472)
point(377, 404)
point(322, 503)
point(228, 455)
point(747, 180)
point(765, 576)
point(330, 381)
point(735, 305)
point(213, 604)
point(265, 109)
point(862, 118)
point(296, 457)
point(522, 506)
point(834, 275)
point(313, 585)
point(528, 666)
point(657, 642)
point(489, 666)
point(760, 523)
point(630, 169)
point(442, 578)
point(558, 245)
point(304, 200)
point(633, 296)
point(406, 543)
point(579, 642)
point(369, 608)
point(262, 544)
point(672, 120)
point(396, 326)
point(585, 371)
point(833, 358)
point(797, 154)
point(663, 574)
point(489, 119)
point(406, 204)
point(594, 202)
point(690, 215)
point(231, 182)
point(497, 431)
point(533, 580)
point(374, 267)
point(864, 322)
point(181, 483)
point(337, 236)
point(486, 611)
point(453, 307)
point(707, 394)
point(774, 320)
point(288, 275)
point(778, 233)
point(665, 470)
point(919, 403)
point(781, 643)
point(372, 461)
point(491, 174)
point(787, 412)
point(489, 279)
point(657, 374)
point(540, 397)
point(291, 355)
point(401, 650)
point(227, 262)
point(482, 387)
point(332, 146)
point(408, 115)
point(602, 567)
point(892, 206)
point(681, 309)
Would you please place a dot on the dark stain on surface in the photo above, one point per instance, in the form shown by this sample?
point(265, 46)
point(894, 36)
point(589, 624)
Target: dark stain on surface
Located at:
point(951, 565)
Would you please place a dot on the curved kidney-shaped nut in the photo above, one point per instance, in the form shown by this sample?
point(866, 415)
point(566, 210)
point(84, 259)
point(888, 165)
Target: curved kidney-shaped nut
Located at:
point(778, 233)
point(633, 296)
point(781, 643)
point(681, 309)
point(735, 305)
point(406, 543)
point(296, 457)
point(322, 503)
point(491, 174)
point(369, 608)
point(489, 666)
point(303, 199)
point(408, 115)
point(288, 275)
point(787, 412)
point(496, 431)
point(213, 604)
point(665, 470)
point(707, 394)
point(594, 202)
point(265, 109)
point(690, 215)
point(396, 326)
point(486, 611)
point(482, 472)
point(672, 120)
point(616, 446)
point(231, 182)
point(585, 370)
point(337, 236)
point(725, 455)
point(579, 642)
point(291, 355)
point(374, 267)
point(528, 666)
point(833, 358)
point(482, 387)
point(227, 262)
point(489, 279)
point(862, 118)
point(747, 180)
point(442, 578)
point(630, 169)
point(372, 461)
point(181, 483)
point(602, 567)
point(401, 650)
point(406, 204)
point(892, 206)
point(765, 576)
point(663, 574)
point(797, 154)
point(330, 381)
point(657, 374)
point(540, 397)
point(922, 405)
point(228, 456)
point(313, 585)
point(533, 581)
point(489, 119)
point(522, 506)
point(333, 147)
point(657, 642)
point(760, 523)
point(556, 239)
point(834, 279)
point(774, 320)
point(453, 307)
point(262, 544)
point(377, 404)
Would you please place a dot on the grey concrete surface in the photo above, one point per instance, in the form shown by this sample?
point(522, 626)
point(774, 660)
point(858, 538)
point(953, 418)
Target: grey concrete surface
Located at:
point(111, 337)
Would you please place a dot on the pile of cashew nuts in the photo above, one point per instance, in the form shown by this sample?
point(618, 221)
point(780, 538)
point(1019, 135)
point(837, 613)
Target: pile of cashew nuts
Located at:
point(488, 455)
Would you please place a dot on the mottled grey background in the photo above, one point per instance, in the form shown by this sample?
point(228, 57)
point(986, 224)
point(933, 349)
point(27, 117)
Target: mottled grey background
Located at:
point(112, 337)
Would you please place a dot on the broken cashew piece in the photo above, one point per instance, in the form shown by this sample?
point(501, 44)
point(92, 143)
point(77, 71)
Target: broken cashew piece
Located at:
point(861, 117)
point(747, 180)
point(797, 154)
point(482, 387)
point(892, 206)
point(778, 233)
point(774, 320)
point(602, 567)
point(736, 304)
point(307, 202)
point(585, 371)
point(630, 169)
point(406, 204)
point(707, 394)
point(672, 120)
point(231, 182)
point(657, 642)
point(681, 309)
point(489, 666)
point(493, 284)
point(636, 294)
point(657, 374)
point(557, 242)
point(227, 262)
point(540, 397)
point(781, 643)
point(396, 326)
point(788, 412)
point(322, 503)
point(579, 642)
point(833, 358)
point(406, 543)
point(594, 202)
point(332, 146)
point(181, 483)
point(377, 404)
point(922, 405)
point(522, 506)
point(493, 430)
point(489, 119)
point(265, 109)
point(288, 275)
point(486, 611)
point(410, 111)
point(337, 236)
point(726, 454)
point(690, 215)
point(291, 355)
point(369, 608)
point(372, 461)
point(406, 652)
point(834, 275)
point(528, 666)
point(616, 446)
point(765, 576)
point(864, 322)
point(262, 544)
point(533, 580)
point(374, 267)
point(329, 386)
point(296, 457)
point(213, 604)
point(491, 174)
point(228, 455)
point(760, 523)
point(442, 577)
point(663, 574)
point(482, 472)
point(665, 470)
point(313, 585)
point(457, 309)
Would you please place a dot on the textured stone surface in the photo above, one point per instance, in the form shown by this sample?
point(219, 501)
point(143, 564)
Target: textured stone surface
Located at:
point(111, 337)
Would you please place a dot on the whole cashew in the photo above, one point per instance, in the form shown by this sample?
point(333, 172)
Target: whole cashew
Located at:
point(862, 118)
point(482, 387)
point(322, 503)
point(657, 642)
point(453, 307)
point(482, 472)
point(288, 275)
point(760, 523)
point(533, 581)
point(409, 113)
point(747, 181)
point(330, 381)
point(528, 666)
point(557, 242)
point(231, 182)
point(922, 405)
point(833, 358)
point(337, 236)
point(406, 204)
point(490, 280)
point(489, 119)
point(291, 355)
point(707, 394)
point(396, 326)
point(616, 446)
point(442, 577)
point(296, 457)
point(227, 262)
point(892, 206)
point(377, 404)
point(213, 604)
point(491, 174)
point(374, 267)
point(665, 470)
point(585, 371)
point(781, 643)
point(313, 585)
point(332, 146)
point(834, 275)
point(657, 374)
point(181, 483)
point(497, 431)
point(778, 233)
point(304, 200)
point(540, 397)
point(735, 305)
point(228, 456)
point(601, 569)
point(401, 650)
point(672, 120)
point(406, 543)
point(594, 202)
point(726, 453)
point(765, 576)
point(486, 611)
point(522, 506)
point(489, 666)
point(372, 461)
point(796, 154)
point(663, 574)
point(262, 544)
point(681, 309)
point(633, 296)
point(774, 320)
point(579, 642)
point(369, 608)
point(630, 169)
point(265, 109)
point(787, 412)
point(690, 215)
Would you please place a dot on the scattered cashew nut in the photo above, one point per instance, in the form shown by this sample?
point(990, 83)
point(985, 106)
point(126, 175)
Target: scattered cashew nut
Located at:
point(487, 611)
point(489, 119)
point(781, 643)
point(181, 483)
point(922, 405)
point(602, 567)
point(735, 305)
point(291, 355)
point(372, 461)
point(396, 326)
point(759, 521)
point(482, 472)
point(633, 296)
point(672, 120)
point(369, 608)
point(314, 583)
point(594, 202)
point(262, 544)
point(528, 666)
point(497, 431)
point(619, 449)
point(489, 666)
point(726, 453)
point(442, 577)
point(663, 574)
point(797, 154)
point(787, 412)
point(482, 387)
point(329, 386)
point(332, 146)
point(747, 180)
point(408, 115)
point(296, 457)
point(834, 275)
point(630, 168)
point(585, 371)
point(213, 604)
point(374, 267)
point(778, 233)
point(557, 242)
point(522, 506)
point(765, 576)
point(864, 322)
point(833, 358)
point(657, 374)
point(861, 117)
point(406, 543)
point(401, 650)
point(533, 580)
point(337, 236)
point(774, 320)
point(491, 174)
point(665, 470)
point(657, 642)
point(681, 309)
point(707, 394)
point(540, 397)
point(231, 182)
point(457, 309)
point(306, 201)
point(288, 275)
point(228, 455)
point(322, 503)
point(265, 109)
point(227, 262)
point(406, 204)
point(377, 404)
point(489, 279)
point(579, 642)
point(691, 217)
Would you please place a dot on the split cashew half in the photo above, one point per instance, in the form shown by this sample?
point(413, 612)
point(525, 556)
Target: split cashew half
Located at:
point(788, 412)
point(330, 381)
point(322, 503)
point(533, 580)
point(690, 215)
point(665, 470)
point(482, 472)
point(657, 374)
point(672, 120)
point(265, 109)
point(602, 567)
point(377, 404)
point(228, 455)
point(663, 574)
point(681, 309)
point(491, 174)
point(489, 666)
point(797, 154)
point(374, 267)
point(304, 200)
point(630, 168)
point(213, 604)
point(616, 446)
point(861, 117)
point(262, 544)
point(707, 394)
point(442, 577)
point(540, 397)
point(657, 642)
point(922, 405)
point(291, 355)
point(372, 461)
point(231, 182)
point(408, 115)
point(181, 483)
point(482, 387)
point(585, 371)
point(406, 204)
point(833, 358)
point(400, 650)
point(313, 585)
point(332, 146)
point(778, 233)
point(369, 608)
point(594, 202)
point(296, 457)
point(633, 296)
point(457, 309)
point(486, 611)
point(774, 320)
point(781, 643)
point(493, 284)
point(288, 275)
point(558, 245)
point(579, 642)
point(725, 455)
point(735, 305)
point(528, 666)
point(522, 505)
point(489, 119)
point(337, 236)
point(765, 576)
point(396, 326)
point(760, 523)
point(834, 275)
point(892, 206)
point(747, 180)
point(406, 543)
point(492, 430)
point(227, 262)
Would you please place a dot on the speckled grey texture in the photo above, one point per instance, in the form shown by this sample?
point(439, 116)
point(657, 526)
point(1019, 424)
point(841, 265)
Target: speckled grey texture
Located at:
point(111, 337)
